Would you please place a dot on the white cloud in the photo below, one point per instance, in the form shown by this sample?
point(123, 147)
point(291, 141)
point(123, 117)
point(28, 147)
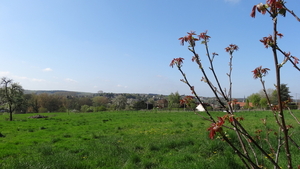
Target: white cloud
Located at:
point(122, 86)
point(70, 80)
point(22, 77)
point(4, 73)
point(37, 80)
point(47, 70)
point(30, 79)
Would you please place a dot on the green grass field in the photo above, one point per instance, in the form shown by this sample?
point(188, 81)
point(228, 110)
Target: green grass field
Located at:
point(123, 139)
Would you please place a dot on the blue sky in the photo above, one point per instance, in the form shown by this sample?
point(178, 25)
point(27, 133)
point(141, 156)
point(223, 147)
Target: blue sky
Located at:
point(126, 46)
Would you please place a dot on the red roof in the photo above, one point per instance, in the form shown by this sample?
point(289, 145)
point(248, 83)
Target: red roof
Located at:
point(242, 104)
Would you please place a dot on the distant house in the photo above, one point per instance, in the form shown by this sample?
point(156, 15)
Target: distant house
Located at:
point(242, 104)
point(162, 103)
point(200, 107)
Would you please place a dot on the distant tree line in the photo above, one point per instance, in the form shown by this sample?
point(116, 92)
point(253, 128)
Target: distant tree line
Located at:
point(259, 99)
point(13, 99)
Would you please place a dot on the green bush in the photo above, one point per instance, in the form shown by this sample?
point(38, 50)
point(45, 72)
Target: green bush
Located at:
point(43, 110)
point(100, 108)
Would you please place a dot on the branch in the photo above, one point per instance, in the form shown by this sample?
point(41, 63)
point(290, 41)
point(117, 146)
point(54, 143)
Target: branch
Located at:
point(194, 92)
point(291, 12)
point(293, 115)
point(289, 58)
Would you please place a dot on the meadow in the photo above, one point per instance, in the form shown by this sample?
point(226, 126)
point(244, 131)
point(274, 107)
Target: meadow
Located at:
point(122, 139)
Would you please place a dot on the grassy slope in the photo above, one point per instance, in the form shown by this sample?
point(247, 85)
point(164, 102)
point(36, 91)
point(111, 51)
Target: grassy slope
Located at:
point(118, 140)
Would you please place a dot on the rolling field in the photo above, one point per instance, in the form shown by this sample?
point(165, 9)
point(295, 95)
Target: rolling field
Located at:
point(122, 139)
